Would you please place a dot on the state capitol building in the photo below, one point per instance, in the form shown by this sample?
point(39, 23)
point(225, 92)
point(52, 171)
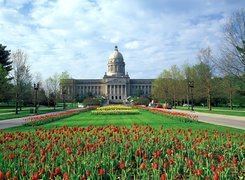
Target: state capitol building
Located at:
point(116, 86)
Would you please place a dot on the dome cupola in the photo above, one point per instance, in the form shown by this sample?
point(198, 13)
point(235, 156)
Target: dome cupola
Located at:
point(116, 65)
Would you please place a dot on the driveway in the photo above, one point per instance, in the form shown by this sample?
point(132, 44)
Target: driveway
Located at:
point(11, 123)
point(224, 120)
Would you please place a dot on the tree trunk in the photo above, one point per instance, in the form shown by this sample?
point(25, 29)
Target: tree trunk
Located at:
point(209, 100)
point(231, 106)
point(174, 102)
point(187, 97)
point(16, 104)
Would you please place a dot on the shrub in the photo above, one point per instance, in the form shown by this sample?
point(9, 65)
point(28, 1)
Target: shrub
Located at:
point(91, 101)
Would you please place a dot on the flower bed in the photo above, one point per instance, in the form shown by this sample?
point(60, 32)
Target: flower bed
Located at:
point(47, 118)
point(111, 152)
point(182, 116)
point(114, 110)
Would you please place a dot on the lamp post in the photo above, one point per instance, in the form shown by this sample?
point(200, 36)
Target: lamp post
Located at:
point(63, 95)
point(191, 85)
point(36, 87)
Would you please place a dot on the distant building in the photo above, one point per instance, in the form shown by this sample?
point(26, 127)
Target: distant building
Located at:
point(116, 86)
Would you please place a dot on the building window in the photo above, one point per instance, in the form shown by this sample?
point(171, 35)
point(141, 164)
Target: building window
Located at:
point(120, 97)
point(112, 97)
point(116, 97)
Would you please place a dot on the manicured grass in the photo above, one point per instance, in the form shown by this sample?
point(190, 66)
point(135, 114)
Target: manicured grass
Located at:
point(8, 113)
point(155, 120)
point(217, 110)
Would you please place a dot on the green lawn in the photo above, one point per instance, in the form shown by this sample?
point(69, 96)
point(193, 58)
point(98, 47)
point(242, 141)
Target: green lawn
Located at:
point(145, 117)
point(8, 113)
point(217, 110)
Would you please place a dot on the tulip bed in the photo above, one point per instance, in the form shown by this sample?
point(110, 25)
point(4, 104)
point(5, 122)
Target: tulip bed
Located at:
point(113, 152)
point(47, 118)
point(114, 110)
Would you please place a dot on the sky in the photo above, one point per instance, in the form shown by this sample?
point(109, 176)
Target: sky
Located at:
point(78, 36)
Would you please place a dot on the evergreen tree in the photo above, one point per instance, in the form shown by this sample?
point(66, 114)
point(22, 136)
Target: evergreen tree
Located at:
point(5, 58)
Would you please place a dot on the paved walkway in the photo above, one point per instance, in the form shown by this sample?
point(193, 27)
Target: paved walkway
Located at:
point(224, 120)
point(219, 119)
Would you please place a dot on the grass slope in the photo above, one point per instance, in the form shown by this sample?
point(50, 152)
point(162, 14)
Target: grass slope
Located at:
point(145, 117)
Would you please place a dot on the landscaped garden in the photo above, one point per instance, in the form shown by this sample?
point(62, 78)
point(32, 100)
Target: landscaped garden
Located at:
point(147, 145)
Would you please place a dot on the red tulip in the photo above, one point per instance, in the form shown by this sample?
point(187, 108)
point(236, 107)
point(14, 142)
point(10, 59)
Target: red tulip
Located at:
point(11, 156)
point(88, 172)
point(8, 174)
point(1, 175)
point(169, 151)
point(216, 176)
point(23, 173)
point(142, 166)
point(69, 151)
point(43, 159)
point(163, 177)
point(122, 165)
point(165, 165)
point(155, 165)
point(35, 176)
point(57, 171)
point(101, 172)
point(51, 175)
point(145, 156)
point(199, 172)
point(171, 161)
point(42, 171)
point(65, 176)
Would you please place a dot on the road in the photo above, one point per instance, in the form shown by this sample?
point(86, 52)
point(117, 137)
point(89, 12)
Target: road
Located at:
point(224, 120)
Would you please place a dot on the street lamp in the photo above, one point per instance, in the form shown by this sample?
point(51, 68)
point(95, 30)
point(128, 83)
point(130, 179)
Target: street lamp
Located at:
point(63, 95)
point(36, 87)
point(191, 85)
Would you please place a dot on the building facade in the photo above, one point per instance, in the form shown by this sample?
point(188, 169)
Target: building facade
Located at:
point(116, 85)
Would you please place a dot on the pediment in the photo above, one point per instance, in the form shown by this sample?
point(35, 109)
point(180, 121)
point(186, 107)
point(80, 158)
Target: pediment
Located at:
point(116, 81)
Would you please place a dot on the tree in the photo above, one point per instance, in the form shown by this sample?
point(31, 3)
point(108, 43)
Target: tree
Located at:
point(5, 68)
point(188, 77)
point(5, 59)
point(52, 89)
point(232, 59)
point(62, 80)
point(161, 87)
point(5, 86)
point(21, 78)
point(176, 84)
point(204, 73)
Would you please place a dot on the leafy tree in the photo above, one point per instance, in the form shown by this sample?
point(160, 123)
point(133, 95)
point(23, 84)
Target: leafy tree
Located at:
point(21, 78)
point(232, 60)
point(204, 74)
point(52, 88)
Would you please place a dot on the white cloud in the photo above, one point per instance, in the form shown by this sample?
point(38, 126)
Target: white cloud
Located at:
point(79, 35)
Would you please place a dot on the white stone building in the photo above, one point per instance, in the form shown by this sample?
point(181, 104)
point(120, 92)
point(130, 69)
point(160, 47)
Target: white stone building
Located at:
point(116, 86)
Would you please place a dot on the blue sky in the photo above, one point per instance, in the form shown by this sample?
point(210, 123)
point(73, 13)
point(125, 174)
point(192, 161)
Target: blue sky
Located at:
point(79, 35)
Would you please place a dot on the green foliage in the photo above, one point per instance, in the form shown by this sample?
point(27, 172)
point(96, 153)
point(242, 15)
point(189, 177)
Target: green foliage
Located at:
point(5, 58)
point(89, 101)
point(141, 101)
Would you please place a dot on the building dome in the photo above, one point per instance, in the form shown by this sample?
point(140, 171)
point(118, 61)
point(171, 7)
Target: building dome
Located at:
point(116, 55)
point(116, 65)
